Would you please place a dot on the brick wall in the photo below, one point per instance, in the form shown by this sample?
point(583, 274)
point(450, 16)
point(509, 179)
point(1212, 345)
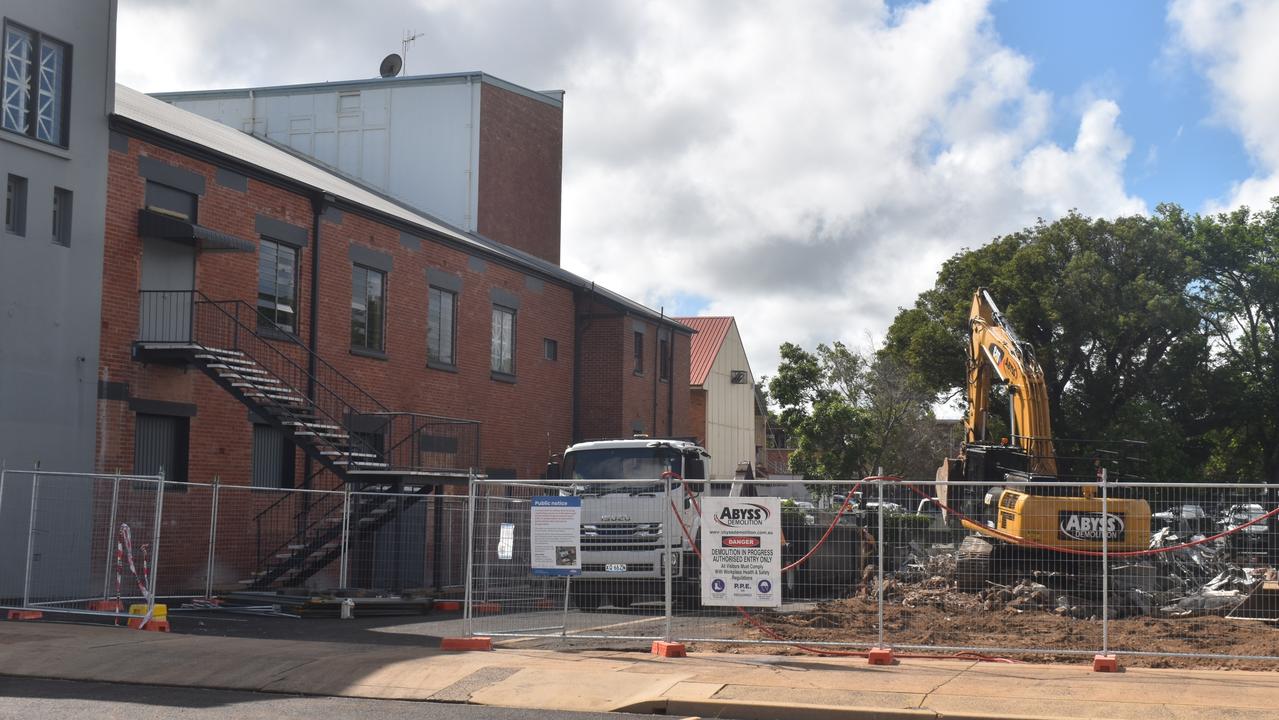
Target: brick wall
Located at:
point(521, 151)
point(614, 401)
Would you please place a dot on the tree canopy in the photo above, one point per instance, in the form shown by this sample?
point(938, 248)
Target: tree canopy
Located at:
point(1143, 326)
point(1161, 329)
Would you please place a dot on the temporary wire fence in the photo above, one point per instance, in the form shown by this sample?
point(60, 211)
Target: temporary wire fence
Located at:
point(78, 543)
point(1027, 568)
point(97, 544)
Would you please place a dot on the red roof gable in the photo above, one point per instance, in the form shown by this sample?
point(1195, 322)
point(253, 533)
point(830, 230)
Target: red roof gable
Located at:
point(711, 332)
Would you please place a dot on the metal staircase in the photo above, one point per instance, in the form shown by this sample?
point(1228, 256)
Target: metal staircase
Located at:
point(335, 422)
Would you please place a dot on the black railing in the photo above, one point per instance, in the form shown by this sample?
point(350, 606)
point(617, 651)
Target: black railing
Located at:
point(426, 443)
point(378, 440)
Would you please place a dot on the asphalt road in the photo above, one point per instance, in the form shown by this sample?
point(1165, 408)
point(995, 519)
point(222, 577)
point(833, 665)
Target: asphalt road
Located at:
point(32, 699)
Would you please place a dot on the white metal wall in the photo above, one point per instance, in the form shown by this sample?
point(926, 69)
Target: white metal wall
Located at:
point(434, 129)
point(730, 408)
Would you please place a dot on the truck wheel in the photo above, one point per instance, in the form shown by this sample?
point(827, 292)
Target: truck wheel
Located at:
point(688, 596)
point(586, 600)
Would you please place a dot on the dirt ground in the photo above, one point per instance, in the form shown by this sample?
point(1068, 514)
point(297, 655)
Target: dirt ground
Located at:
point(960, 619)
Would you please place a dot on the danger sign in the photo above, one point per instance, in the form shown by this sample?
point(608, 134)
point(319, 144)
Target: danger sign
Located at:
point(742, 557)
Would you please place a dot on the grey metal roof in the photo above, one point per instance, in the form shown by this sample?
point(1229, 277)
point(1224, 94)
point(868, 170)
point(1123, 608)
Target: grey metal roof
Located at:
point(550, 97)
point(226, 141)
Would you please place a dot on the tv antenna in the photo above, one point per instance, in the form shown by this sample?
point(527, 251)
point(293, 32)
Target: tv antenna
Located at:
point(409, 37)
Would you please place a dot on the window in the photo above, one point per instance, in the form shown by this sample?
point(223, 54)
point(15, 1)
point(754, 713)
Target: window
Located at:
point(272, 458)
point(503, 349)
point(62, 216)
point(368, 308)
point(277, 286)
point(551, 348)
point(664, 361)
point(161, 442)
point(737, 377)
point(15, 205)
point(171, 201)
point(26, 51)
point(639, 353)
point(441, 308)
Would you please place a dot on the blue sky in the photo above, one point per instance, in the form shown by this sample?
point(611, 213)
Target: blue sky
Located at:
point(1125, 50)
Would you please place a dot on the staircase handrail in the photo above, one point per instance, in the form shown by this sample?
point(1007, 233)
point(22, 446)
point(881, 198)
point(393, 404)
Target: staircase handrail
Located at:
point(282, 335)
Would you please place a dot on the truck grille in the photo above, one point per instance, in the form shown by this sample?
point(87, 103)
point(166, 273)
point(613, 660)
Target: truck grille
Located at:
point(621, 536)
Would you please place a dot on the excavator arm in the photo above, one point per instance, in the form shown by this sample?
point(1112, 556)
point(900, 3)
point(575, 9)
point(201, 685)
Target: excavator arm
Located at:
point(996, 354)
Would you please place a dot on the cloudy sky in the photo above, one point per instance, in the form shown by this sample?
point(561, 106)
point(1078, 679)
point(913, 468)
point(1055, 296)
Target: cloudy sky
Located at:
point(803, 166)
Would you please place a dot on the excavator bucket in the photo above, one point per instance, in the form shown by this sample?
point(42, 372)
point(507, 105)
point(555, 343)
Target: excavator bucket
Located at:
point(1261, 604)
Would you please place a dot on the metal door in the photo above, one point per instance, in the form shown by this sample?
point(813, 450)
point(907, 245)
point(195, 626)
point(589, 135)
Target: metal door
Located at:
point(168, 282)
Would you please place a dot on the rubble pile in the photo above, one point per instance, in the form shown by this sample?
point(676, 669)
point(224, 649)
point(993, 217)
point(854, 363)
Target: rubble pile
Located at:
point(1185, 582)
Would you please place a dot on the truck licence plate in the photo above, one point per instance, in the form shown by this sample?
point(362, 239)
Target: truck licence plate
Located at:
point(615, 567)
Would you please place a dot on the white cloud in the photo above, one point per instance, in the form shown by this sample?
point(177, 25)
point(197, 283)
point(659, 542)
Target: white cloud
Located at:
point(1233, 43)
point(804, 167)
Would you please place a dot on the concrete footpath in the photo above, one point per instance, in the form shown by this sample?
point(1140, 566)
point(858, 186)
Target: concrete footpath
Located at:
point(706, 685)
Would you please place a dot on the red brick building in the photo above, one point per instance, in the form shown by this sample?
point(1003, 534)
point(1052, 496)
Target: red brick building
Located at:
point(270, 323)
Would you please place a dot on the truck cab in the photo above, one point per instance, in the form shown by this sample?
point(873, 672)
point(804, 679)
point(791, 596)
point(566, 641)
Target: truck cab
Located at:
point(624, 540)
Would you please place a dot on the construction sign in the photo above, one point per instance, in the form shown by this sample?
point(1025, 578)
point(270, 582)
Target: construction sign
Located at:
point(741, 541)
point(555, 531)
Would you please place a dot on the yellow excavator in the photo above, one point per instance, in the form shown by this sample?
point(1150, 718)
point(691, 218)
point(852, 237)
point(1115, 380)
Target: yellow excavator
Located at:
point(1020, 525)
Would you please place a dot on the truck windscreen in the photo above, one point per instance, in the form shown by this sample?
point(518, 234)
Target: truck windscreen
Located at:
point(621, 464)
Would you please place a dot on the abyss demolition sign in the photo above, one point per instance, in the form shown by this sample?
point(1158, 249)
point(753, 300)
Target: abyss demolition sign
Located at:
point(741, 541)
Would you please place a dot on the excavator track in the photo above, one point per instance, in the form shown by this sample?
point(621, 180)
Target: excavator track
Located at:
point(972, 564)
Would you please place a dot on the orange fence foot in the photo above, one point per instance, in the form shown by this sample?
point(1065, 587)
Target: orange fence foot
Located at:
point(114, 606)
point(665, 649)
point(881, 656)
point(466, 643)
point(486, 607)
point(1105, 663)
point(447, 605)
point(545, 604)
point(25, 615)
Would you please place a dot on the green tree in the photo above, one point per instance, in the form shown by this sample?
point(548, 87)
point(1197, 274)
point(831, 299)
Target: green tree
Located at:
point(1237, 296)
point(847, 414)
point(1103, 305)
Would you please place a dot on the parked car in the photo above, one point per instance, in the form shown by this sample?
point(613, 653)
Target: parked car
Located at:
point(1255, 542)
point(1184, 520)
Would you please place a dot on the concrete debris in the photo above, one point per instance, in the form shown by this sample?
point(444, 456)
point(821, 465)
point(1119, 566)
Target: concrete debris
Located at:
point(1185, 582)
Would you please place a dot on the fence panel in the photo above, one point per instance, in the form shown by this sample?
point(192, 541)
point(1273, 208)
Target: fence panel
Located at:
point(269, 539)
point(1093, 567)
point(73, 542)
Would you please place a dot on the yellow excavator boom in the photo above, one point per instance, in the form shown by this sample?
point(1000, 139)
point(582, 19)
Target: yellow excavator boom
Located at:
point(997, 355)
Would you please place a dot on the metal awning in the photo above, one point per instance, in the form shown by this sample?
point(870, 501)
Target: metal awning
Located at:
point(159, 225)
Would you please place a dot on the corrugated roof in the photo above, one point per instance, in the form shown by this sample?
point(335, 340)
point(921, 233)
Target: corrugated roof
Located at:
point(711, 332)
point(213, 136)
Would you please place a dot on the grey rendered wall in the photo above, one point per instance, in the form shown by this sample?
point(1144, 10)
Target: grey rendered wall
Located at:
point(50, 296)
point(416, 142)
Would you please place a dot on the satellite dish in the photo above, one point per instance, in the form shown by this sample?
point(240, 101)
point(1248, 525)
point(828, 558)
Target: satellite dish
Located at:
point(391, 65)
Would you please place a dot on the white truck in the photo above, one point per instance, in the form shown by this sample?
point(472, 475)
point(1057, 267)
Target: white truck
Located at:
point(624, 550)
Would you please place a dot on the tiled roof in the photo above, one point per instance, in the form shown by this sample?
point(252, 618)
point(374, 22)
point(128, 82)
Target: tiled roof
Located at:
point(711, 332)
point(187, 127)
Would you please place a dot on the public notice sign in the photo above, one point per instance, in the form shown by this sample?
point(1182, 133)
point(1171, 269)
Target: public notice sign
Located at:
point(555, 531)
point(741, 541)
